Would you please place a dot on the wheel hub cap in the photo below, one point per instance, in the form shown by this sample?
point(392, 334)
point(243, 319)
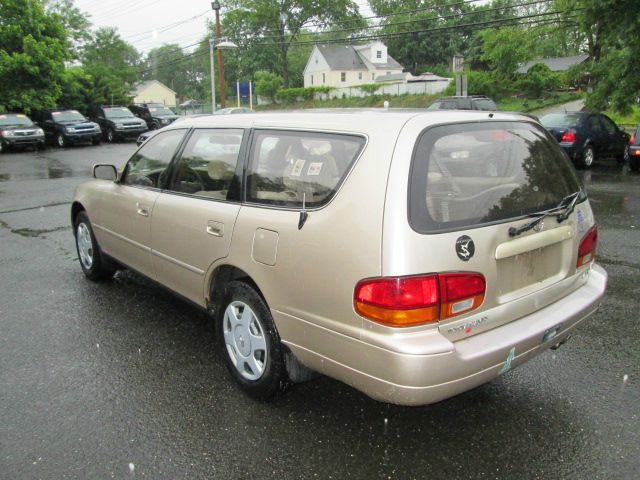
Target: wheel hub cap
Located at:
point(245, 340)
point(85, 246)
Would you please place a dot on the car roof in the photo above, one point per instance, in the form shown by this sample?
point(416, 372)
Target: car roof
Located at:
point(363, 121)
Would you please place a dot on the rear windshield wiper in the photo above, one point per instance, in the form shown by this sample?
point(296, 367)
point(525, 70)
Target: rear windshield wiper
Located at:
point(562, 211)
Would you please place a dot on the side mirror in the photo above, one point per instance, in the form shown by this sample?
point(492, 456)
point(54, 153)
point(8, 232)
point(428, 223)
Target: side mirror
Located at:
point(105, 172)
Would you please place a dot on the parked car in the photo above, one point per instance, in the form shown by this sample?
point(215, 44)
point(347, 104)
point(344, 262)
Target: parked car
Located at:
point(411, 255)
point(116, 122)
point(144, 136)
point(634, 150)
point(63, 127)
point(587, 136)
point(233, 110)
point(155, 114)
point(472, 102)
point(18, 131)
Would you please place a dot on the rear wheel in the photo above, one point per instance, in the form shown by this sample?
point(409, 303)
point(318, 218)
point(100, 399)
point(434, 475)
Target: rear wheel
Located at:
point(93, 264)
point(625, 155)
point(588, 157)
point(250, 343)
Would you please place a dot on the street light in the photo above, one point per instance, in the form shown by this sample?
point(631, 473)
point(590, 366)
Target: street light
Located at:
point(225, 44)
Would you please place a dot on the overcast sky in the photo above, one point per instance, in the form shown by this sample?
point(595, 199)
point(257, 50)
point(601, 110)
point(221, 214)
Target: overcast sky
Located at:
point(147, 24)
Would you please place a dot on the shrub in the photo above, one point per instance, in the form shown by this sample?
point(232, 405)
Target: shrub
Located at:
point(538, 79)
point(267, 84)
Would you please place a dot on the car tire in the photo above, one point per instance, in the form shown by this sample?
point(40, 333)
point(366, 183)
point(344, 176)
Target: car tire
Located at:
point(624, 158)
point(91, 259)
point(154, 126)
point(588, 157)
point(634, 163)
point(61, 141)
point(110, 135)
point(250, 343)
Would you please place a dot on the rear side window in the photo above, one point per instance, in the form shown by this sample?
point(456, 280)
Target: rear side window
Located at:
point(289, 167)
point(560, 120)
point(469, 175)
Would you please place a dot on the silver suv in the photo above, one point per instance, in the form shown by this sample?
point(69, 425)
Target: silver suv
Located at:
point(412, 255)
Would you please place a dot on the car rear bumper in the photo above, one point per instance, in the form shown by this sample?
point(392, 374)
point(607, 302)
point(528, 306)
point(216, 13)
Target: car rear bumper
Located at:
point(419, 379)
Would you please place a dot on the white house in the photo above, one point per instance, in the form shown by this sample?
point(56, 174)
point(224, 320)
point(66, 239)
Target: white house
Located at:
point(347, 65)
point(154, 91)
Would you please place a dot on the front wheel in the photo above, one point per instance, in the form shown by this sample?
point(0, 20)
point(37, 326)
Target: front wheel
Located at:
point(250, 343)
point(110, 135)
point(91, 261)
point(61, 141)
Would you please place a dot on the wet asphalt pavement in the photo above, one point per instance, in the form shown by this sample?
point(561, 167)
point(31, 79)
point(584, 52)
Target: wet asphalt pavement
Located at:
point(122, 380)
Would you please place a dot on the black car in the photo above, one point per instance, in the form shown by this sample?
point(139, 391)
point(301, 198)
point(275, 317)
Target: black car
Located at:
point(586, 136)
point(471, 102)
point(116, 122)
point(64, 127)
point(155, 114)
point(17, 130)
point(634, 150)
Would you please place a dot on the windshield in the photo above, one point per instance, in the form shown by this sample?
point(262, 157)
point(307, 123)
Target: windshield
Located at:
point(160, 110)
point(67, 116)
point(473, 174)
point(118, 112)
point(17, 120)
point(560, 120)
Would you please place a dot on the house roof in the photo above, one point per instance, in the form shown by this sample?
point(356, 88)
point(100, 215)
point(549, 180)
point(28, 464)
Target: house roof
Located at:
point(555, 64)
point(348, 57)
point(428, 77)
point(144, 85)
point(392, 77)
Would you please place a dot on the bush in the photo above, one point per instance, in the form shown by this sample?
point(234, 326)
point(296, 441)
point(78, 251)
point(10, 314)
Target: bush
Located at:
point(291, 95)
point(538, 79)
point(370, 88)
point(480, 83)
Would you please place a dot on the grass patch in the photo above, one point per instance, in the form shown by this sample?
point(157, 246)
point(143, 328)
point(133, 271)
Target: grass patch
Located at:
point(418, 101)
point(632, 118)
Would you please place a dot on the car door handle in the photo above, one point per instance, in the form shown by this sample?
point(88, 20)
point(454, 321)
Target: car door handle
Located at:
point(142, 210)
point(215, 228)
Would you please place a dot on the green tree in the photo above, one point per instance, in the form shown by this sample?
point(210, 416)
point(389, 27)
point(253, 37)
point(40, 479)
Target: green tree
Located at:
point(79, 89)
point(271, 28)
point(178, 70)
point(33, 49)
point(75, 21)
point(506, 48)
point(113, 65)
point(268, 84)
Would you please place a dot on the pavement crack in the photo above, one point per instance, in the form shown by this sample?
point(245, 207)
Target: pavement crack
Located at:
point(26, 209)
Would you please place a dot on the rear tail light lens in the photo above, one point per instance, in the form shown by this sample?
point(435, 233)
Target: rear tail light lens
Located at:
point(568, 136)
point(587, 248)
point(632, 140)
point(414, 300)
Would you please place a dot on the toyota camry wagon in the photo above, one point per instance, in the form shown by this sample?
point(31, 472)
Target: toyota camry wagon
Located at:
point(412, 255)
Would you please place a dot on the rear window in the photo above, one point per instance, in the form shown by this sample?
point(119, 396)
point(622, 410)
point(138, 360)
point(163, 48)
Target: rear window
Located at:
point(288, 168)
point(485, 104)
point(560, 120)
point(470, 175)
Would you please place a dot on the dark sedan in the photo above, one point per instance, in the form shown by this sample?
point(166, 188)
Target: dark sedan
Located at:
point(586, 136)
point(634, 150)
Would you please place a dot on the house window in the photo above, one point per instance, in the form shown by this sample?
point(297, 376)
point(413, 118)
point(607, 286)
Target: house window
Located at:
point(379, 54)
point(343, 76)
point(373, 76)
point(311, 79)
point(323, 79)
point(388, 73)
point(359, 75)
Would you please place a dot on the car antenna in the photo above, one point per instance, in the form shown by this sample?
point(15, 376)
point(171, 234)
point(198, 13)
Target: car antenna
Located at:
point(303, 213)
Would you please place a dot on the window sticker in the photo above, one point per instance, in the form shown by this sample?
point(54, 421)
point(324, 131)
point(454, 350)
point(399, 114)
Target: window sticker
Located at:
point(314, 168)
point(21, 116)
point(297, 168)
point(56, 113)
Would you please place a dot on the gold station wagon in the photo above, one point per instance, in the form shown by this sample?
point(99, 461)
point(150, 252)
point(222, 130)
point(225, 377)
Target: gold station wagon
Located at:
point(412, 255)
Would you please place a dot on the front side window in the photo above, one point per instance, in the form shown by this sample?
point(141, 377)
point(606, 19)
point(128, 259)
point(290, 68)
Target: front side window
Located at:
point(469, 175)
point(148, 166)
point(208, 164)
point(289, 168)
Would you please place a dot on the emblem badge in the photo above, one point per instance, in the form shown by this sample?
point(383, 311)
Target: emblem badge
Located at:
point(465, 248)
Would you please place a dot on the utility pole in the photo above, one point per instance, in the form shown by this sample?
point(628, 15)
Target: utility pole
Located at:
point(215, 5)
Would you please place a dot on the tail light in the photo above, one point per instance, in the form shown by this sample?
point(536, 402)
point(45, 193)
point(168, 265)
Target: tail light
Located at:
point(568, 136)
point(587, 248)
point(632, 140)
point(414, 300)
